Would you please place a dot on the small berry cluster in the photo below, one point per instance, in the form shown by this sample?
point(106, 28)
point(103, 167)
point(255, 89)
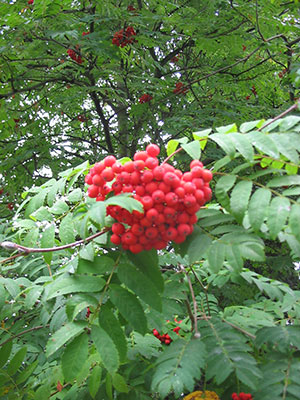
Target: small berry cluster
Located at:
point(165, 338)
point(242, 396)
point(30, 2)
point(180, 88)
point(74, 56)
point(123, 38)
point(174, 59)
point(169, 197)
point(145, 98)
point(131, 8)
point(85, 33)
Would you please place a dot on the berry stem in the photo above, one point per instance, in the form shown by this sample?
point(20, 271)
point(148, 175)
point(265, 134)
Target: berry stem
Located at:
point(171, 155)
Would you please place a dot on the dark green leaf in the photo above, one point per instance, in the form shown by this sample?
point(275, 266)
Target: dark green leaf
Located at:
point(258, 207)
point(95, 381)
point(64, 334)
point(106, 348)
point(16, 361)
point(74, 356)
point(239, 199)
point(5, 351)
point(73, 284)
point(129, 307)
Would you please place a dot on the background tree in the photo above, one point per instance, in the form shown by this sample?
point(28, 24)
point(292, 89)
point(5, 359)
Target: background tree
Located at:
point(216, 313)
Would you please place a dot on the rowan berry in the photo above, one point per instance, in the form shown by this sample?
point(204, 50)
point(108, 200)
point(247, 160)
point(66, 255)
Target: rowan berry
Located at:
point(147, 202)
point(171, 199)
point(109, 161)
point(207, 175)
point(137, 229)
point(107, 174)
point(153, 150)
point(196, 163)
point(93, 191)
point(115, 239)
point(129, 238)
point(183, 229)
point(136, 248)
point(98, 180)
point(147, 177)
point(151, 162)
point(151, 233)
point(141, 155)
point(158, 173)
point(99, 167)
point(118, 228)
point(158, 196)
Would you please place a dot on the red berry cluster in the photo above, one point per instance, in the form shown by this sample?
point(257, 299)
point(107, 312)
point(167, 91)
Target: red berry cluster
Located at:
point(145, 98)
point(74, 56)
point(131, 8)
point(165, 338)
point(30, 2)
point(242, 396)
point(180, 88)
point(85, 33)
point(174, 59)
point(169, 197)
point(123, 38)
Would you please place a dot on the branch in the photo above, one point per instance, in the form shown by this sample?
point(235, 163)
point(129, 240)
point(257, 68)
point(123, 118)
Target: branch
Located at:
point(293, 107)
point(28, 250)
point(35, 328)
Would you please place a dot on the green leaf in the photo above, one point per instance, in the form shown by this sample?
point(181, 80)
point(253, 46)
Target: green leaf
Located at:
point(66, 230)
point(248, 126)
point(75, 195)
point(87, 252)
point(64, 334)
point(106, 348)
point(119, 383)
point(27, 372)
point(129, 307)
point(263, 143)
point(216, 256)
point(278, 213)
point(100, 265)
point(224, 142)
point(97, 213)
point(111, 325)
point(172, 146)
point(258, 207)
point(178, 367)
point(47, 241)
point(193, 149)
point(197, 246)
point(224, 184)
point(239, 199)
point(284, 181)
point(294, 220)
point(16, 362)
point(74, 284)
point(5, 351)
point(2, 296)
point(126, 202)
point(242, 145)
point(139, 284)
point(60, 207)
point(78, 303)
point(147, 263)
point(74, 356)
point(227, 129)
point(95, 381)
point(234, 257)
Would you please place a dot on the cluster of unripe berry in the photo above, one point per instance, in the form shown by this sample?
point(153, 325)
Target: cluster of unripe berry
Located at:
point(169, 197)
point(241, 396)
point(124, 37)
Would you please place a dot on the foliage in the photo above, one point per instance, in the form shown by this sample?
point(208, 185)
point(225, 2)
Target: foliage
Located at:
point(77, 312)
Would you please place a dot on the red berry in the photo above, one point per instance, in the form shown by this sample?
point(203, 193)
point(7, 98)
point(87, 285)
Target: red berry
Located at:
point(207, 175)
point(109, 161)
point(117, 168)
point(147, 202)
point(152, 215)
point(151, 233)
point(158, 173)
point(99, 167)
point(184, 229)
point(141, 155)
point(195, 163)
point(129, 238)
point(151, 162)
point(136, 248)
point(118, 228)
point(98, 180)
point(171, 199)
point(153, 150)
point(147, 177)
point(115, 239)
point(93, 191)
point(108, 174)
point(158, 196)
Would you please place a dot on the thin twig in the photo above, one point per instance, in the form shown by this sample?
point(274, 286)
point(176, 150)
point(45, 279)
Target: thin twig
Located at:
point(27, 250)
point(293, 107)
point(35, 328)
point(197, 334)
